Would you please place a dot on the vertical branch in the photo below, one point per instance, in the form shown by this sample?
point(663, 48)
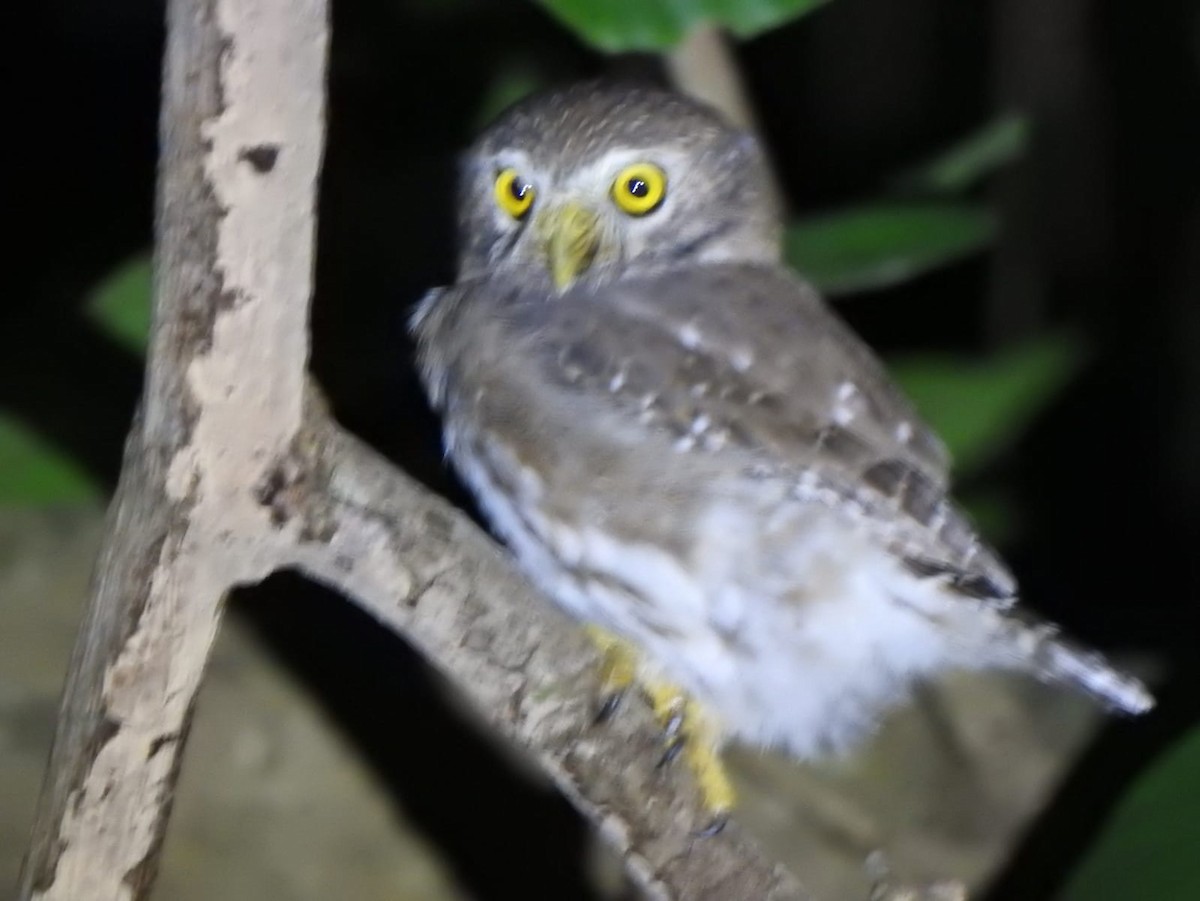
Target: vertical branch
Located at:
point(230, 474)
point(1057, 204)
point(703, 66)
point(222, 400)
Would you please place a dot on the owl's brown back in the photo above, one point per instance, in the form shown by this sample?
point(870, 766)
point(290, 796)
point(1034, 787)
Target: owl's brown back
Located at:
point(741, 363)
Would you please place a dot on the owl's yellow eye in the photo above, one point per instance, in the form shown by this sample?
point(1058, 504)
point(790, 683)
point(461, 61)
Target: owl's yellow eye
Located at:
point(639, 188)
point(514, 193)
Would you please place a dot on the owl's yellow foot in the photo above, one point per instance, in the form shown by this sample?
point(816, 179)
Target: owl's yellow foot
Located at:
point(618, 671)
point(690, 733)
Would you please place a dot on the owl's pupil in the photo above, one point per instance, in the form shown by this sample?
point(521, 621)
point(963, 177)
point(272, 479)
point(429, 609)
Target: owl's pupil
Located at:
point(637, 187)
point(518, 188)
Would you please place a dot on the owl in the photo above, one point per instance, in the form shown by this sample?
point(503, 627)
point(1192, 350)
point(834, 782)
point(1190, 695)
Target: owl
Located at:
point(684, 447)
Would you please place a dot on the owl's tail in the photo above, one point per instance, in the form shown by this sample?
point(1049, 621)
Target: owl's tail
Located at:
point(1039, 648)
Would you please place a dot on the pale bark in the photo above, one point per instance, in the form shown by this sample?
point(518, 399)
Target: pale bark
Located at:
point(703, 65)
point(234, 469)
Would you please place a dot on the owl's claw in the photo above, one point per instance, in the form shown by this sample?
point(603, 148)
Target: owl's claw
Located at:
point(674, 749)
point(715, 826)
point(673, 728)
point(690, 732)
point(687, 730)
point(609, 705)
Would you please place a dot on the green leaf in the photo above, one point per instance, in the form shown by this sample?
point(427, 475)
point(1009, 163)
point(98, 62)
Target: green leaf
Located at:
point(970, 160)
point(120, 305)
point(980, 407)
point(1148, 847)
point(34, 473)
point(624, 25)
point(876, 246)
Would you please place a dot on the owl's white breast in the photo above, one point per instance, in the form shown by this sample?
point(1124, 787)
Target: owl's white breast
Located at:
point(787, 627)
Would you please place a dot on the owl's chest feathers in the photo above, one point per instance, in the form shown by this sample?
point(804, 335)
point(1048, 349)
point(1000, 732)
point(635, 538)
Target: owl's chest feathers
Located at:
point(778, 619)
point(778, 614)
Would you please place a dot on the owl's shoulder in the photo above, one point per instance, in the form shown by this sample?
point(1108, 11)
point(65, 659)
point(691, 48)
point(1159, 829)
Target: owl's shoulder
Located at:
point(744, 364)
point(754, 341)
point(750, 362)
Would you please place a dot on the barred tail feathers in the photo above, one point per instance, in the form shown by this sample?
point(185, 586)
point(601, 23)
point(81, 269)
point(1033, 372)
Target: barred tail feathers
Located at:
point(1043, 651)
point(997, 632)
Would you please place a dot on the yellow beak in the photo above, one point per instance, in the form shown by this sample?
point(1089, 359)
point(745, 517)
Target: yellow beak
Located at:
point(570, 235)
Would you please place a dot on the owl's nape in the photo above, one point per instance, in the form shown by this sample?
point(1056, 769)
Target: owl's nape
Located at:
point(600, 180)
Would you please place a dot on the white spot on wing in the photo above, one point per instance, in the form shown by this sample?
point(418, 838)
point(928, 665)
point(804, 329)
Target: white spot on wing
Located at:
point(689, 335)
point(742, 358)
point(847, 403)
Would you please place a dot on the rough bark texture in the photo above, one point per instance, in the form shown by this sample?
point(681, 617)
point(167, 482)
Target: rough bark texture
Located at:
point(234, 469)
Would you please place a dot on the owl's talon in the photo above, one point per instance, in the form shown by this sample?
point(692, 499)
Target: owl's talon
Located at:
point(672, 752)
point(673, 727)
point(687, 730)
point(715, 826)
point(609, 705)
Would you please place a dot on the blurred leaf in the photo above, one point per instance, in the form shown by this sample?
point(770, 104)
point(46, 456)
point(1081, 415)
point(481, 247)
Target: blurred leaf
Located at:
point(877, 246)
point(971, 159)
point(980, 407)
point(623, 25)
point(120, 306)
point(32, 472)
point(1148, 848)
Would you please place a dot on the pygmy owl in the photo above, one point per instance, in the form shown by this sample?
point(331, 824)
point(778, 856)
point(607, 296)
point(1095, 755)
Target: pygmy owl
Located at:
point(683, 446)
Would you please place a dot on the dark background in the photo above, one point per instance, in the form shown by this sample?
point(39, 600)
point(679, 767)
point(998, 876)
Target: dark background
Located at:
point(1101, 233)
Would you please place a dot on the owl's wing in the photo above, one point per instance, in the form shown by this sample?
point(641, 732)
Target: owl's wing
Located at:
point(749, 360)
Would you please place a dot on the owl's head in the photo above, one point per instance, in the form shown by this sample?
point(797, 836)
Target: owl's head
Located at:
point(594, 181)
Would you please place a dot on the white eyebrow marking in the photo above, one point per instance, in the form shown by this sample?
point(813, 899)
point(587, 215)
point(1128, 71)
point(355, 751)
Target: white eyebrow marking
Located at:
point(598, 174)
point(512, 158)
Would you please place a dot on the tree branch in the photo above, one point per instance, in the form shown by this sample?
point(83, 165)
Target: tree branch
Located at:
point(703, 65)
point(234, 470)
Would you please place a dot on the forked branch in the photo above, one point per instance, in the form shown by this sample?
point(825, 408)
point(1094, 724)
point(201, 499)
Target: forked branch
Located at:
point(233, 470)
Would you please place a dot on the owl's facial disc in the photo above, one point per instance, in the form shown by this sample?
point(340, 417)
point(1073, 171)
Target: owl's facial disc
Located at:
point(569, 234)
point(589, 185)
point(578, 233)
